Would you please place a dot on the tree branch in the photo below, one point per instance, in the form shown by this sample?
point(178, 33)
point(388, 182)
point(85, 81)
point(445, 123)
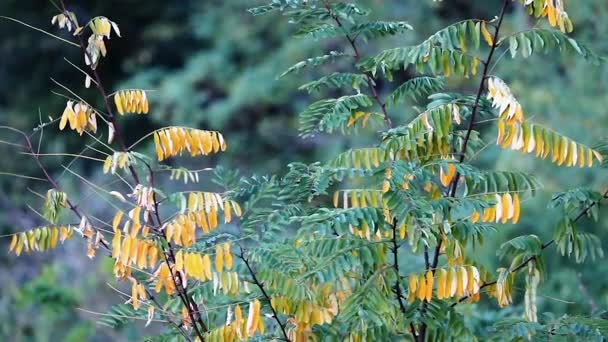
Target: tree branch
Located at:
point(544, 246)
point(183, 294)
point(260, 285)
point(398, 292)
point(454, 185)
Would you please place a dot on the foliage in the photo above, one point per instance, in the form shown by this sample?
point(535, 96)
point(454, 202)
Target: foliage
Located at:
point(268, 257)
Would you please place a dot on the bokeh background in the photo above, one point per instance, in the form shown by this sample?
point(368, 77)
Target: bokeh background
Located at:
point(212, 65)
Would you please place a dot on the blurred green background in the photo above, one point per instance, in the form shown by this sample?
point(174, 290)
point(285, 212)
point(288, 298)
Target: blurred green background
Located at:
point(211, 65)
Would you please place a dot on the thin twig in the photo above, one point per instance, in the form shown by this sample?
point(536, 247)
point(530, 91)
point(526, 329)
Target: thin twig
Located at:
point(454, 185)
point(186, 299)
point(398, 292)
point(260, 285)
point(543, 247)
point(370, 79)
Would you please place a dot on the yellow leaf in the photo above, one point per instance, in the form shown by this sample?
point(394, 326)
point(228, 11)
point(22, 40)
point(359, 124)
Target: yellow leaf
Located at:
point(563, 151)
point(54, 237)
point(446, 64)
point(152, 255)
point(516, 209)
point(64, 120)
point(572, 154)
point(159, 149)
point(22, 242)
point(192, 202)
point(413, 286)
point(238, 314)
point(451, 283)
point(142, 254)
point(486, 34)
point(421, 287)
point(473, 281)
point(145, 104)
point(443, 177)
point(207, 267)
point(474, 63)
point(487, 215)
point(429, 286)
point(134, 297)
point(551, 14)
point(461, 282)
point(441, 284)
point(125, 250)
point(13, 242)
point(227, 256)
point(386, 186)
point(475, 216)
point(118, 103)
point(116, 244)
point(219, 258)
point(227, 212)
point(212, 218)
point(598, 156)
point(354, 201)
point(581, 156)
point(506, 208)
point(402, 231)
point(253, 317)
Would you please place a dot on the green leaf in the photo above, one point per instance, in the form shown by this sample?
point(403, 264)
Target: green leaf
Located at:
point(314, 61)
point(330, 115)
point(416, 88)
point(546, 40)
point(336, 80)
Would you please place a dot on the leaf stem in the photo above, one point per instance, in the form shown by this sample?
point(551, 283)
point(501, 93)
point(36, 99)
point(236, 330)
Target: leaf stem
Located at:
point(474, 112)
point(371, 80)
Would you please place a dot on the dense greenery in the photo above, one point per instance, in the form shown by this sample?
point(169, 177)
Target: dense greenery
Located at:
point(398, 194)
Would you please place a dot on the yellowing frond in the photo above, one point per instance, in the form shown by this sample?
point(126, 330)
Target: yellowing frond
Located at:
point(201, 211)
point(529, 138)
point(502, 289)
point(102, 26)
point(174, 141)
point(426, 136)
point(39, 239)
point(144, 197)
point(507, 207)
point(502, 98)
point(553, 10)
point(80, 116)
point(185, 174)
point(164, 279)
point(357, 198)
point(129, 250)
point(65, 20)
point(138, 293)
point(359, 116)
point(118, 160)
point(131, 101)
point(457, 281)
